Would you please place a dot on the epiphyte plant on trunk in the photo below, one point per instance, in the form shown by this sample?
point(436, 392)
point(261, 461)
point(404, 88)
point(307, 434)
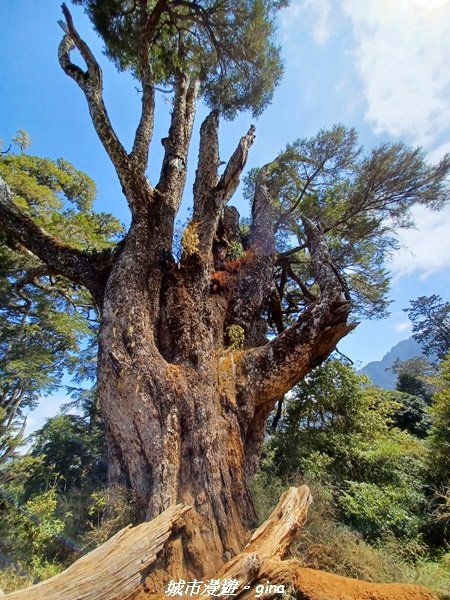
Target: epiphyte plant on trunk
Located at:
point(184, 405)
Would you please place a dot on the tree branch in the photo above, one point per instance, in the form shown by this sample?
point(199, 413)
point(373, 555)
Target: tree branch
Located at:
point(81, 267)
point(211, 193)
point(176, 145)
point(144, 131)
point(255, 279)
point(206, 176)
point(91, 82)
point(262, 233)
point(270, 371)
point(230, 179)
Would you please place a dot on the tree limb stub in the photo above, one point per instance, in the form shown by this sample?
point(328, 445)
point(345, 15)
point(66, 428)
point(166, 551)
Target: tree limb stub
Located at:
point(114, 570)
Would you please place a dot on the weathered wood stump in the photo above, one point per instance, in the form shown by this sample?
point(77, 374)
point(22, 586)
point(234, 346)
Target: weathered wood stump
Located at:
point(114, 570)
point(126, 566)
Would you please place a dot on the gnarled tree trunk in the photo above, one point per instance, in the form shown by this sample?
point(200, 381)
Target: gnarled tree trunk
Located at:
point(186, 414)
point(185, 404)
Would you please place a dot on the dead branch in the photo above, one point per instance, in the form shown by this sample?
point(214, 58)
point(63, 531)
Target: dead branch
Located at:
point(114, 570)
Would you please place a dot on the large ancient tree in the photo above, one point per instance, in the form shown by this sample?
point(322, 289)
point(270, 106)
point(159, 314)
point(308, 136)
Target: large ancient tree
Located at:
point(195, 353)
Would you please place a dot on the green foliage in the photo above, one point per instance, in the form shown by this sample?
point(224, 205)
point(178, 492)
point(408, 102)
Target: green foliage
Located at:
point(60, 199)
point(338, 430)
point(236, 337)
point(49, 498)
point(414, 393)
point(439, 440)
point(235, 251)
point(30, 533)
point(430, 316)
point(13, 578)
point(359, 198)
point(329, 415)
point(11, 434)
point(110, 510)
point(47, 324)
point(374, 510)
point(412, 412)
point(72, 447)
point(229, 46)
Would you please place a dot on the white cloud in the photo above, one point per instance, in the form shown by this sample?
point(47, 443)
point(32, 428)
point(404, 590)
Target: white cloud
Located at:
point(46, 408)
point(426, 249)
point(401, 327)
point(317, 13)
point(402, 50)
point(436, 155)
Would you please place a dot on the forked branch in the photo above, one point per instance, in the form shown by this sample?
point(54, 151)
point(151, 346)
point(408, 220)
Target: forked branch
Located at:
point(211, 193)
point(91, 82)
point(176, 145)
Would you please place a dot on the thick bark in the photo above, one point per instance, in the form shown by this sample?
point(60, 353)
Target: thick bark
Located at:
point(184, 420)
point(174, 432)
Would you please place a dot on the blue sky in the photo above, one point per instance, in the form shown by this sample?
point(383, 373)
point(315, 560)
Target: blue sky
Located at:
point(379, 65)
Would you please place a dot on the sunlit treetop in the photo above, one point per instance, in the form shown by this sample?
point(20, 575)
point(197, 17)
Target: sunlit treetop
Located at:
point(60, 198)
point(359, 199)
point(228, 45)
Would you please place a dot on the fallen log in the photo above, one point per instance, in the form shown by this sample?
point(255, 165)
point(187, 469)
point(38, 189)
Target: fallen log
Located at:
point(310, 584)
point(117, 569)
point(114, 570)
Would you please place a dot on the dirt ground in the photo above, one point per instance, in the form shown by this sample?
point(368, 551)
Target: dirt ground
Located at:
point(318, 585)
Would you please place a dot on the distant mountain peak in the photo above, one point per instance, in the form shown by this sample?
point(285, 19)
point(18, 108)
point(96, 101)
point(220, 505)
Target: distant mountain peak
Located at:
point(379, 371)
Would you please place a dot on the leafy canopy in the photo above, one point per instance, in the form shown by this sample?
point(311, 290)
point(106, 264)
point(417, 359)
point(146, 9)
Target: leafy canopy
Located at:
point(229, 45)
point(359, 199)
point(430, 316)
point(47, 323)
